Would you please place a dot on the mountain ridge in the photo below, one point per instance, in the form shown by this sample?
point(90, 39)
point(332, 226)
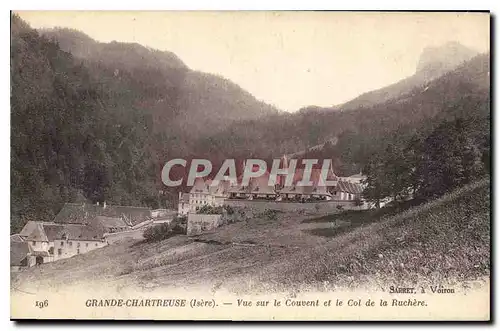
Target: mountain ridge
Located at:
point(433, 63)
point(87, 130)
point(208, 101)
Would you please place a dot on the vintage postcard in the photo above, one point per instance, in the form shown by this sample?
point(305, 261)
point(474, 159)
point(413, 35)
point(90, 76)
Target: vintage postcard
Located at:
point(250, 165)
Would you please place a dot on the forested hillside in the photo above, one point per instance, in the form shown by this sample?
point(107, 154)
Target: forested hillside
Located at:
point(433, 62)
point(361, 132)
point(70, 140)
point(100, 124)
point(189, 102)
point(208, 116)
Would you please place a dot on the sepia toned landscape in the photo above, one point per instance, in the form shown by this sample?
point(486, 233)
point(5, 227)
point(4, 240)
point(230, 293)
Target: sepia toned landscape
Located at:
point(397, 194)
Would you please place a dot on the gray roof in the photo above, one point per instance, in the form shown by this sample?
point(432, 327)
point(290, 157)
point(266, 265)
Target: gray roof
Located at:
point(18, 252)
point(38, 233)
point(73, 232)
point(78, 213)
point(256, 185)
point(42, 231)
point(238, 189)
point(360, 175)
point(353, 188)
point(16, 238)
point(28, 228)
point(308, 190)
point(111, 222)
point(260, 185)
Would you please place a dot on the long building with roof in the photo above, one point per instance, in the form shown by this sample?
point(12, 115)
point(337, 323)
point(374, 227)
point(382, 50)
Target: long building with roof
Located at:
point(77, 229)
point(320, 188)
point(49, 241)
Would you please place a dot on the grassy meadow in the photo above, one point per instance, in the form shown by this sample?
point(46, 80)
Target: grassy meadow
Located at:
point(444, 242)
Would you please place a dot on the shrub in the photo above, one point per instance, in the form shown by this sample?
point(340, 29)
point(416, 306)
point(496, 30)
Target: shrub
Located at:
point(209, 210)
point(232, 215)
point(164, 231)
point(180, 223)
point(214, 210)
point(270, 214)
point(358, 202)
point(229, 210)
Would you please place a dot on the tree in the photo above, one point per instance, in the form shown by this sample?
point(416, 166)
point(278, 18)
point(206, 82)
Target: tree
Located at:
point(450, 158)
point(377, 183)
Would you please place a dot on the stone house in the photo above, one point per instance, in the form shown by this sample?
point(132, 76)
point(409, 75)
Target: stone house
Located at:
point(50, 241)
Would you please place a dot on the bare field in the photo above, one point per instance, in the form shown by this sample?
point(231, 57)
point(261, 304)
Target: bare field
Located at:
point(444, 241)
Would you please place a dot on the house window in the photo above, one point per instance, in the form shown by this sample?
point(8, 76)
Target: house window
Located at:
point(78, 245)
point(95, 244)
point(86, 244)
point(62, 243)
point(71, 243)
point(78, 251)
point(59, 251)
point(34, 243)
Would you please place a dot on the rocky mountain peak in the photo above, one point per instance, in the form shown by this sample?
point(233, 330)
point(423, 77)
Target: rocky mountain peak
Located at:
point(434, 61)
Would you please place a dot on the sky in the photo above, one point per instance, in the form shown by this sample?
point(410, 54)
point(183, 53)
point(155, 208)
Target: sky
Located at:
point(288, 59)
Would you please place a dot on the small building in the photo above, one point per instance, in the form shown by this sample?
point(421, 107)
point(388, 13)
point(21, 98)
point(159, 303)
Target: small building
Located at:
point(34, 234)
point(347, 191)
point(205, 193)
point(69, 240)
point(77, 229)
point(50, 241)
point(160, 213)
point(200, 194)
point(167, 217)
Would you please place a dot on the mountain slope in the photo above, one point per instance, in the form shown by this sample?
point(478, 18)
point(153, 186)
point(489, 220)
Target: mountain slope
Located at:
point(433, 62)
point(197, 102)
point(451, 234)
point(99, 130)
point(131, 55)
point(359, 132)
point(70, 141)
